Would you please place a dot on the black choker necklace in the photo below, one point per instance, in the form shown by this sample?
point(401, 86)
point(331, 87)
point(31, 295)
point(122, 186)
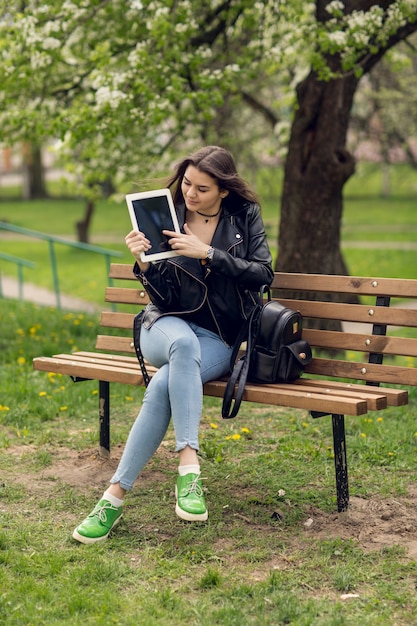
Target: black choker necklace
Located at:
point(209, 216)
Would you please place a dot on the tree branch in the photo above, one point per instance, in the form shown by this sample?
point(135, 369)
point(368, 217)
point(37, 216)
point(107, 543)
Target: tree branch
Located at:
point(258, 106)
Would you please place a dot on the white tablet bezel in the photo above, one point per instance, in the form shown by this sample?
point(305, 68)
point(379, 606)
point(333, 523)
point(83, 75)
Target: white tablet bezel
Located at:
point(157, 193)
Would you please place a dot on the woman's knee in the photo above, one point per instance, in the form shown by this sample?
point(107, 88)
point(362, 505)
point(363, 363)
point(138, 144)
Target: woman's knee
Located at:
point(186, 345)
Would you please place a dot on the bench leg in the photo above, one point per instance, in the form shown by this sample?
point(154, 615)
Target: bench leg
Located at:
point(340, 461)
point(104, 415)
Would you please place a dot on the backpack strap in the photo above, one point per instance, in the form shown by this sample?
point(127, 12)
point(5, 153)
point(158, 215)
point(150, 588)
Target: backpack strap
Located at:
point(240, 368)
point(137, 325)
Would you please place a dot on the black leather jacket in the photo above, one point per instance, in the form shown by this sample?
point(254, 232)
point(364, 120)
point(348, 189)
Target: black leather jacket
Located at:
point(240, 266)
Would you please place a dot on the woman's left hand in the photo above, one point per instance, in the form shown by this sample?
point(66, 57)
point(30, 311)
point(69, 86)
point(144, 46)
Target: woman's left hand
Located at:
point(186, 244)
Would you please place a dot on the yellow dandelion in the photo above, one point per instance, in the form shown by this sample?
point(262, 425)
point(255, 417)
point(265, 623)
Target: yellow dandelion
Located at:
point(236, 437)
point(4, 408)
point(305, 424)
point(363, 434)
point(76, 322)
point(94, 392)
point(20, 331)
point(42, 393)
point(380, 419)
point(390, 454)
point(213, 425)
point(245, 430)
point(63, 408)
point(21, 360)
point(129, 398)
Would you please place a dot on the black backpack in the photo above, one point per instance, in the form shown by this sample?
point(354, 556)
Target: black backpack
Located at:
point(275, 351)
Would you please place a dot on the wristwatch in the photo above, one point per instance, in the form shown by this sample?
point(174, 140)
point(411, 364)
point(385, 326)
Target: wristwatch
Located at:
point(209, 256)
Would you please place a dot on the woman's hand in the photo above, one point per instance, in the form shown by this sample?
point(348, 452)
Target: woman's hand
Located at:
point(137, 243)
point(186, 244)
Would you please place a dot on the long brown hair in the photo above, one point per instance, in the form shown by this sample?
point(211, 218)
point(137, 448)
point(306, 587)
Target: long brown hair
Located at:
point(219, 164)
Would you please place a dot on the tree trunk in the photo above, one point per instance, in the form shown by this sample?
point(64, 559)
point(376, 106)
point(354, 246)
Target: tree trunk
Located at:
point(318, 163)
point(83, 226)
point(33, 174)
point(317, 167)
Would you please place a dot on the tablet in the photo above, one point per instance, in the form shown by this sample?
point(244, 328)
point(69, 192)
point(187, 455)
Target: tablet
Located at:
point(151, 212)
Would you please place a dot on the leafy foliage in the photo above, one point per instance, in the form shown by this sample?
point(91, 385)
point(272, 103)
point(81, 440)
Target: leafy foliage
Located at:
point(120, 83)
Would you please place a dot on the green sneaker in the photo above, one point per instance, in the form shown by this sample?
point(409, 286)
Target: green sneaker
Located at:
point(99, 523)
point(190, 500)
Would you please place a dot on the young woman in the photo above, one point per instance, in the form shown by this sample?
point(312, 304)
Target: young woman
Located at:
point(199, 300)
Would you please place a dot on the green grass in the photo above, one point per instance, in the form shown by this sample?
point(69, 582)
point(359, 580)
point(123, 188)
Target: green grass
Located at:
point(254, 562)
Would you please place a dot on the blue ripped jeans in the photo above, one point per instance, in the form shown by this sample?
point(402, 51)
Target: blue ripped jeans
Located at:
point(187, 356)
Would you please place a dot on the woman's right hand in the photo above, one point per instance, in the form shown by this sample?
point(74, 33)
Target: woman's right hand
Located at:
point(137, 243)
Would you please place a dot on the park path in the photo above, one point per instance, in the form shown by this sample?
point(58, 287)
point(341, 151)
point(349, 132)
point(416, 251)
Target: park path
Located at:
point(40, 295)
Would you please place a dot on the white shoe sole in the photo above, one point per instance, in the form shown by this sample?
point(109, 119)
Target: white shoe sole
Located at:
point(190, 517)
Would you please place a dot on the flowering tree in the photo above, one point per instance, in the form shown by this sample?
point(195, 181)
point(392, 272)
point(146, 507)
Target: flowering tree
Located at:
point(125, 84)
point(352, 37)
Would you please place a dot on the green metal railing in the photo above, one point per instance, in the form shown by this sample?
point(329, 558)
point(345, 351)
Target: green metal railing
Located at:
point(21, 263)
point(52, 240)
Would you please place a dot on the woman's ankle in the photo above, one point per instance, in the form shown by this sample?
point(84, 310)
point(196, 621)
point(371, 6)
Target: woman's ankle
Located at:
point(116, 490)
point(188, 456)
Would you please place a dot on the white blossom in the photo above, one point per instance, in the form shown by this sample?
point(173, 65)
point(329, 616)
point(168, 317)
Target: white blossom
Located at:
point(112, 97)
point(338, 37)
point(39, 60)
point(51, 43)
point(181, 28)
point(361, 38)
point(334, 7)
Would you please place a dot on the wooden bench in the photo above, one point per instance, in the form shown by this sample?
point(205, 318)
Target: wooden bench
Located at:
point(343, 378)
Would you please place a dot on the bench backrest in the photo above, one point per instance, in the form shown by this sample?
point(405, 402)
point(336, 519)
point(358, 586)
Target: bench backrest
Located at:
point(373, 322)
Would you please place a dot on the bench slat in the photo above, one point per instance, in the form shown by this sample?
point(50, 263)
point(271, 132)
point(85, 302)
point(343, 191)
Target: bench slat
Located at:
point(100, 370)
point(124, 295)
point(354, 312)
point(112, 319)
point(391, 374)
point(395, 397)
point(116, 344)
point(282, 396)
point(361, 342)
point(123, 271)
point(404, 288)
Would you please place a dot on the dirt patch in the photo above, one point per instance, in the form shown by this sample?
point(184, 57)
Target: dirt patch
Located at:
point(83, 469)
point(375, 523)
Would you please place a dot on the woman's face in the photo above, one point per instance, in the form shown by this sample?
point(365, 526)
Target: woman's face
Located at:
point(201, 192)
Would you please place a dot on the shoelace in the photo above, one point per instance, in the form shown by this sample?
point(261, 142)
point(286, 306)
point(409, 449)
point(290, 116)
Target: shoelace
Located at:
point(195, 487)
point(100, 511)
